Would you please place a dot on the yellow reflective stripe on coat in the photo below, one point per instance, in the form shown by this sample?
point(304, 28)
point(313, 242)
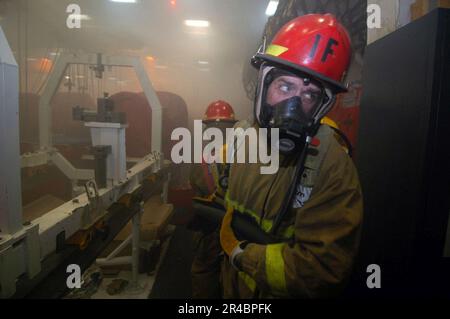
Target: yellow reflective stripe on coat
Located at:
point(275, 269)
point(266, 224)
point(249, 281)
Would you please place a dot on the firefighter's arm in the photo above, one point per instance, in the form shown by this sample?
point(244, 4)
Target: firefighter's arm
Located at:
point(326, 238)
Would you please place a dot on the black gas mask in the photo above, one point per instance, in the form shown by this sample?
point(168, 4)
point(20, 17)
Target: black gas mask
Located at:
point(297, 117)
point(292, 122)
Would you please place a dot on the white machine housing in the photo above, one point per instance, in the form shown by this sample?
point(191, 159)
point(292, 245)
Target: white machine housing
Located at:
point(23, 247)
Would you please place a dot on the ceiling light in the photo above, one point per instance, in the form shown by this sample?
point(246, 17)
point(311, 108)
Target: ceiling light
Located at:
point(203, 62)
point(272, 7)
point(124, 1)
point(150, 58)
point(197, 23)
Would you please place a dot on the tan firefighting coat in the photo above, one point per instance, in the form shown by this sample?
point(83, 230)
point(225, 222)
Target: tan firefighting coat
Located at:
point(318, 239)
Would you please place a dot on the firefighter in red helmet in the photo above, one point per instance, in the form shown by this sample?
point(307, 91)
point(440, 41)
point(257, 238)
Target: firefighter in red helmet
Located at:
point(220, 112)
point(311, 208)
point(205, 180)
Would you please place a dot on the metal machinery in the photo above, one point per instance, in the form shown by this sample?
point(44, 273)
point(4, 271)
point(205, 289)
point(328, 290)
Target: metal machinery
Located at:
point(30, 251)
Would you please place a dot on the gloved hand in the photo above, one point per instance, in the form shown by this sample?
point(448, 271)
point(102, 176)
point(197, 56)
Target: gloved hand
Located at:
point(228, 239)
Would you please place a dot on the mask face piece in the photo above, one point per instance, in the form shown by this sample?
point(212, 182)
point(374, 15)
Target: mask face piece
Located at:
point(303, 103)
point(289, 118)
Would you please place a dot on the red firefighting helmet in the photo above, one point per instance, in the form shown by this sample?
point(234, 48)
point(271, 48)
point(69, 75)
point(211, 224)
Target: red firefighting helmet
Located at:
point(315, 44)
point(219, 111)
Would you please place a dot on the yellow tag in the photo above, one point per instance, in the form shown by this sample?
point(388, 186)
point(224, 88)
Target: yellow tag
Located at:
point(275, 49)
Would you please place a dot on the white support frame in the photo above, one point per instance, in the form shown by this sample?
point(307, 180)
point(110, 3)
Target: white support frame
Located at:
point(133, 260)
point(64, 60)
point(36, 241)
point(10, 183)
point(69, 170)
point(47, 152)
point(23, 248)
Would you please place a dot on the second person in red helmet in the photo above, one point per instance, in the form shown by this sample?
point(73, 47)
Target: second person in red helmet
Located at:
point(205, 180)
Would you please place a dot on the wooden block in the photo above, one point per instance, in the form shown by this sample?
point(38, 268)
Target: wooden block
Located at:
point(418, 9)
point(422, 7)
point(154, 220)
point(444, 4)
